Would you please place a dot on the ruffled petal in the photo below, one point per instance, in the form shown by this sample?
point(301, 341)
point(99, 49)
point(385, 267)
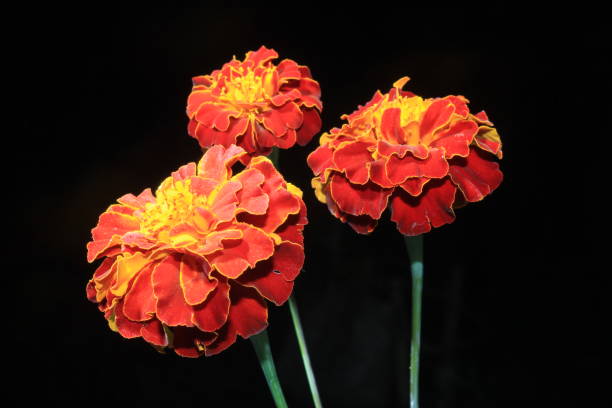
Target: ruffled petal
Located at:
point(437, 115)
point(400, 169)
point(457, 139)
point(311, 125)
point(213, 312)
point(369, 199)
point(354, 160)
point(171, 307)
point(434, 207)
point(320, 159)
point(195, 281)
point(139, 302)
point(191, 342)
point(476, 175)
point(238, 255)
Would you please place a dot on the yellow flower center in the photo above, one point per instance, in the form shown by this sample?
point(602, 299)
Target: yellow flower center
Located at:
point(248, 91)
point(175, 204)
point(411, 109)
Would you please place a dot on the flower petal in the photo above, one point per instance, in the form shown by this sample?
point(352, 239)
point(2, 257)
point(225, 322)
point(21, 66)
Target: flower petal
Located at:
point(211, 314)
point(437, 115)
point(171, 307)
point(278, 120)
point(476, 175)
point(457, 139)
point(217, 160)
point(434, 207)
point(320, 159)
point(488, 139)
point(369, 199)
point(194, 280)
point(354, 160)
point(238, 255)
point(139, 302)
point(400, 169)
point(125, 326)
point(251, 198)
point(248, 313)
point(311, 125)
point(153, 332)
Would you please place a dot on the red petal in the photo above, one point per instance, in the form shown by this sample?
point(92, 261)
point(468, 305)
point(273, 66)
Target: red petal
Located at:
point(459, 102)
point(261, 56)
point(238, 255)
point(226, 201)
point(196, 99)
point(213, 312)
point(437, 115)
point(263, 137)
point(311, 125)
point(288, 69)
point(476, 175)
point(153, 332)
point(400, 169)
point(457, 139)
point(278, 120)
point(214, 240)
point(354, 159)
point(138, 239)
point(281, 205)
point(434, 207)
point(293, 227)
point(208, 136)
point(390, 126)
point(139, 302)
point(387, 149)
point(112, 223)
point(194, 280)
point(269, 283)
point(414, 186)
point(184, 172)
point(320, 159)
point(217, 160)
point(284, 97)
point(125, 326)
point(369, 199)
point(248, 312)
point(251, 198)
point(226, 336)
point(378, 173)
point(171, 307)
point(362, 224)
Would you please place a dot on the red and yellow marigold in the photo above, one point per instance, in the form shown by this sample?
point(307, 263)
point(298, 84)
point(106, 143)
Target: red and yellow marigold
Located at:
point(423, 157)
point(190, 267)
point(255, 104)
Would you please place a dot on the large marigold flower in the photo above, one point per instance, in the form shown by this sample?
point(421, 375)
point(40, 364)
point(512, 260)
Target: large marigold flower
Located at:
point(424, 156)
point(189, 267)
point(255, 104)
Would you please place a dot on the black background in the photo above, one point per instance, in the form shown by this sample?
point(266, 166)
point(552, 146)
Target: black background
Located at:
point(514, 304)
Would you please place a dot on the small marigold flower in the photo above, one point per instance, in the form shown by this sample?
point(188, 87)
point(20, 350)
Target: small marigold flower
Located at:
point(425, 157)
point(190, 267)
point(255, 104)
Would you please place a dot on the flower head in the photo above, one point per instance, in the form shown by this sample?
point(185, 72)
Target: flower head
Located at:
point(255, 104)
point(191, 266)
point(425, 157)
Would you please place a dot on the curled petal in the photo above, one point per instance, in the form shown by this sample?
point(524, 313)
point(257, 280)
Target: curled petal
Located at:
point(321, 159)
point(190, 342)
point(368, 199)
point(434, 207)
point(211, 314)
point(139, 302)
point(280, 119)
point(311, 125)
point(438, 114)
point(237, 255)
point(171, 307)
point(217, 160)
point(153, 332)
point(354, 160)
point(476, 175)
point(194, 280)
point(457, 139)
point(488, 139)
point(400, 169)
point(251, 197)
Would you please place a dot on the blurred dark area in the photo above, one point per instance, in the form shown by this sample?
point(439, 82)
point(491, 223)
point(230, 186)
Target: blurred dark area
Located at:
point(515, 303)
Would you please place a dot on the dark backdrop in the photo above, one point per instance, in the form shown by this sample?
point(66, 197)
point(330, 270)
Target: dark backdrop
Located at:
point(513, 303)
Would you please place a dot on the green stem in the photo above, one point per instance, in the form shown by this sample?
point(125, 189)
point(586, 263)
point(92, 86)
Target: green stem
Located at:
point(414, 245)
point(297, 324)
point(304, 351)
point(261, 343)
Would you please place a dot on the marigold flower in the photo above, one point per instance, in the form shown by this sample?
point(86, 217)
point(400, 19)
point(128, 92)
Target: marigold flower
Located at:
point(255, 104)
point(189, 267)
point(424, 156)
